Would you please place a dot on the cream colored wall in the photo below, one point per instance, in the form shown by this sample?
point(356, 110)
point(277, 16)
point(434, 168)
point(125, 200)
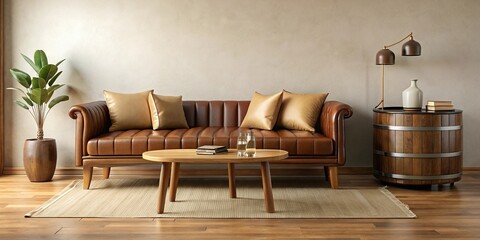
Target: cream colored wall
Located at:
point(226, 49)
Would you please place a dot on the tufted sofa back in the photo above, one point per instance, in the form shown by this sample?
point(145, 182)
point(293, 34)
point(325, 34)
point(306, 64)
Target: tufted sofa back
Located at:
point(215, 113)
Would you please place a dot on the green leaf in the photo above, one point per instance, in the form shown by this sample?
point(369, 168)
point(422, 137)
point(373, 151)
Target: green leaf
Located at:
point(38, 95)
point(48, 71)
point(21, 104)
point(32, 64)
point(28, 101)
point(37, 59)
point(55, 87)
point(40, 58)
point(22, 77)
point(16, 89)
point(54, 78)
point(49, 96)
point(30, 96)
point(57, 100)
point(38, 83)
point(59, 63)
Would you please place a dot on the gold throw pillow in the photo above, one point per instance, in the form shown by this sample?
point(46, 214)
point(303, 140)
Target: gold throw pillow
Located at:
point(300, 111)
point(263, 111)
point(167, 112)
point(128, 111)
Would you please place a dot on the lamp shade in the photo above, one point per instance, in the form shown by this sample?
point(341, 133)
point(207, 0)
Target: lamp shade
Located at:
point(385, 57)
point(411, 48)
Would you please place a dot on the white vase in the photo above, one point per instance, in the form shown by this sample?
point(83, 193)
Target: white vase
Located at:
point(412, 97)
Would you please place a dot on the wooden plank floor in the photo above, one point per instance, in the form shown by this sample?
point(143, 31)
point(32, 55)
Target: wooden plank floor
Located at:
point(443, 213)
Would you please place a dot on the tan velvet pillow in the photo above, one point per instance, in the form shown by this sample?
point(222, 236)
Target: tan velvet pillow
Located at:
point(263, 111)
point(128, 110)
point(167, 112)
point(300, 111)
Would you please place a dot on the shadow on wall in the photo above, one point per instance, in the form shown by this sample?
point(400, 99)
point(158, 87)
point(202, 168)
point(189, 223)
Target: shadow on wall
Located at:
point(76, 85)
point(8, 98)
point(359, 139)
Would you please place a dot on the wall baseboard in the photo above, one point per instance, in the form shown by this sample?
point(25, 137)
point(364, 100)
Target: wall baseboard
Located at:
point(154, 171)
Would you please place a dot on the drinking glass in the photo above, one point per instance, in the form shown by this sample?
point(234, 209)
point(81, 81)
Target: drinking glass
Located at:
point(251, 144)
point(242, 144)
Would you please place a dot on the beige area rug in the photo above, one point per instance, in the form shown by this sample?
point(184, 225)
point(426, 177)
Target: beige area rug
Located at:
point(209, 198)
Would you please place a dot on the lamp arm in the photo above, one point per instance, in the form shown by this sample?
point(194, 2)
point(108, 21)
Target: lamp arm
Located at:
point(391, 45)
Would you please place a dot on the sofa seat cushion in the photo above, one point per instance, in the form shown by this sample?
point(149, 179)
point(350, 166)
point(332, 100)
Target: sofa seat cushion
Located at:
point(135, 142)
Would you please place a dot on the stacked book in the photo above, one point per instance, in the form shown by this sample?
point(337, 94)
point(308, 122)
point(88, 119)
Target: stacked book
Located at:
point(439, 106)
point(211, 150)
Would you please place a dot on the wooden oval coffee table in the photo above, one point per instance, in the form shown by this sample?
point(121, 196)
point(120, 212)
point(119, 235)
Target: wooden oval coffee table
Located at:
point(177, 156)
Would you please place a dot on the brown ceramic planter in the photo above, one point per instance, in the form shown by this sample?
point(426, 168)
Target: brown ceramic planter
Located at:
point(40, 159)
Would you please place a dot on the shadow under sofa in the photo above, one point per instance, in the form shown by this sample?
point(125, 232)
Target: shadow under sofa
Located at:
point(210, 123)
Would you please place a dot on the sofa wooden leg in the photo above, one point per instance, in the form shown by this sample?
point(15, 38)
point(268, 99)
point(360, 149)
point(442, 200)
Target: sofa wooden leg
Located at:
point(106, 172)
point(333, 176)
point(87, 176)
point(325, 172)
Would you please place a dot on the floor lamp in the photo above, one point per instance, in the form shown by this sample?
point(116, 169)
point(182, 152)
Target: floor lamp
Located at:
point(387, 57)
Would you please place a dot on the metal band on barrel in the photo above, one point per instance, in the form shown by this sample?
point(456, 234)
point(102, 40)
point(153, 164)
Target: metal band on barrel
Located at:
point(409, 128)
point(410, 177)
point(418, 155)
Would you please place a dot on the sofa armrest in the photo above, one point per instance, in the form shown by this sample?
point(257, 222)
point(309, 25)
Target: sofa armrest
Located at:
point(332, 125)
point(92, 119)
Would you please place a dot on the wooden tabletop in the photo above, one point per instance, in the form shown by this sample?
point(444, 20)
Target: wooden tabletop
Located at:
point(190, 156)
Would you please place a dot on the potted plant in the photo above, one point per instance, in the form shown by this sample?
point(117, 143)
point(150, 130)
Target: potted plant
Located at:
point(39, 154)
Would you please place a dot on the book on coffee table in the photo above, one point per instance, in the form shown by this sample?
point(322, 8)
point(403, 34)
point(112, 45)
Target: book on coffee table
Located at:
point(211, 149)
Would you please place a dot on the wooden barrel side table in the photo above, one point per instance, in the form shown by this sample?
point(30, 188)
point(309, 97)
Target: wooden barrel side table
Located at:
point(417, 147)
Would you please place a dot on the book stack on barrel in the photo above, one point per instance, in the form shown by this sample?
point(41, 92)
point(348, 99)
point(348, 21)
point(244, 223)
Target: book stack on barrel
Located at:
point(439, 106)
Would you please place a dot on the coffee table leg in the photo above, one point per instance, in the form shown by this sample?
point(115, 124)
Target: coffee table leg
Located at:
point(163, 185)
point(174, 181)
point(267, 188)
point(231, 180)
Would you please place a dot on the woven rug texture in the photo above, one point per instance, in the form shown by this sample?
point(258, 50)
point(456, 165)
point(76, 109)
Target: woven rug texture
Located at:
point(209, 198)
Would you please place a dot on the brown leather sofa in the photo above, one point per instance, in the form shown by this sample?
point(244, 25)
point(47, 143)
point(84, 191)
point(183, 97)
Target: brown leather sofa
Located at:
point(211, 122)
